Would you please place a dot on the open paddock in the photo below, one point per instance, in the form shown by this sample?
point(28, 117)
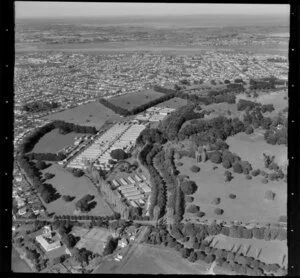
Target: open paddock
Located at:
point(132, 100)
point(251, 148)
point(53, 141)
point(173, 103)
point(249, 205)
point(272, 251)
point(90, 114)
point(66, 184)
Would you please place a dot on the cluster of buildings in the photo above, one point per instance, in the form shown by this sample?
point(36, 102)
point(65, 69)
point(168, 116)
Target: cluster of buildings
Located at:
point(120, 136)
point(134, 188)
point(26, 199)
point(154, 114)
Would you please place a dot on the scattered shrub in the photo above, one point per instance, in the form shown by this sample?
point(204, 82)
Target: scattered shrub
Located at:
point(188, 187)
point(179, 163)
point(232, 196)
point(255, 172)
point(216, 201)
point(269, 195)
point(237, 168)
point(248, 177)
point(200, 214)
point(195, 169)
point(264, 180)
point(219, 211)
point(189, 199)
point(193, 209)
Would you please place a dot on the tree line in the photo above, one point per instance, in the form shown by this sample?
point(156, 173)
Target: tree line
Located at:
point(125, 112)
point(39, 106)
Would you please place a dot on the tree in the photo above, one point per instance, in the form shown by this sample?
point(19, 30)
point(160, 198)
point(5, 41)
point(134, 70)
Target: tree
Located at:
point(249, 130)
point(228, 176)
point(232, 196)
point(193, 257)
point(78, 173)
point(118, 154)
point(185, 253)
point(193, 209)
point(68, 198)
point(189, 199)
point(216, 157)
point(41, 165)
point(200, 214)
point(188, 187)
point(237, 168)
point(110, 246)
point(49, 176)
point(195, 169)
point(219, 211)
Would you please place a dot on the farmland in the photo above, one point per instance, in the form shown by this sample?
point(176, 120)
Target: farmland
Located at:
point(93, 240)
point(249, 194)
point(272, 251)
point(66, 184)
point(130, 101)
point(91, 114)
point(53, 141)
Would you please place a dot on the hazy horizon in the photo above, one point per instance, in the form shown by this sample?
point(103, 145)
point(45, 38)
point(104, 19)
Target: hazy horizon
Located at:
point(52, 10)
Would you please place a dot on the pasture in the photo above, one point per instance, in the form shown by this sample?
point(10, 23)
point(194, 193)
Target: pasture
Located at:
point(221, 109)
point(130, 101)
point(272, 251)
point(90, 114)
point(251, 148)
point(53, 141)
point(93, 240)
point(249, 194)
point(66, 184)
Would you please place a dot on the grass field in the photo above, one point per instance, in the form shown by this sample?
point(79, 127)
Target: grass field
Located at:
point(241, 144)
point(220, 109)
point(67, 184)
point(90, 114)
point(93, 240)
point(272, 251)
point(147, 259)
point(130, 101)
point(53, 141)
point(249, 194)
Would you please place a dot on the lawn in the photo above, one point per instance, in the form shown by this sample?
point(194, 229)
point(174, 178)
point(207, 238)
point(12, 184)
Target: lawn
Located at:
point(129, 101)
point(272, 251)
point(67, 184)
point(53, 141)
point(90, 114)
point(249, 205)
point(251, 148)
point(93, 240)
point(220, 109)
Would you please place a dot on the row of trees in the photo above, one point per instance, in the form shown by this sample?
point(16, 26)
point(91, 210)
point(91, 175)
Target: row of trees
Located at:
point(208, 131)
point(158, 190)
point(39, 106)
point(232, 261)
point(124, 112)
point(163, 90)
point(267, 83)
point(30, 141)
point(46, 156)
point(172, 124)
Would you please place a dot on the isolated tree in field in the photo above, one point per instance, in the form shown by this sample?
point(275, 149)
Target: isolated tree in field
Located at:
point(228, 176)
point(189, 199)
point(269, 195)
point(118, 154)
point(200, 214)
point(193, 209)
point(110, 246)
point(232, 196)
point(264, 180)
point(195, 169)
point(216, 201)
point(188, 187)
point(219, 211)
point(68, 198)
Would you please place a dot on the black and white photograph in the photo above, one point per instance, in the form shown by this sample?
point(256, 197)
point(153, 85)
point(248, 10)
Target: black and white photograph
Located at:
point(150, 138)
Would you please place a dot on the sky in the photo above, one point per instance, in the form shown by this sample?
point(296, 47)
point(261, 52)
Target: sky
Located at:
point(74, 9)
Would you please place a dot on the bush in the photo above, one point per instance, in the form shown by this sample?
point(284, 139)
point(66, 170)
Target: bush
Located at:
point(118, 154)
point(248, 177)
point(264, 180)
point(49, 176)
point(255, 172)
point(78, 173)
point(216, 201)
point(219, 211)
point(193, 209)
point(179, 163)
point(269, 195)
point(68, 198)
point(232, 196)
point(189, 199)
point(249, 130)
point(188, 187)
point(216, 157)
point(237, 168)
point(226, 163)
point(195, 169)
point(200, 214)
point(41, 165)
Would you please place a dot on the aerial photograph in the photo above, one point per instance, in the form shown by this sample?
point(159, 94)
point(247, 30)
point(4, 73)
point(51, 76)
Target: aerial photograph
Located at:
point(150, 138)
